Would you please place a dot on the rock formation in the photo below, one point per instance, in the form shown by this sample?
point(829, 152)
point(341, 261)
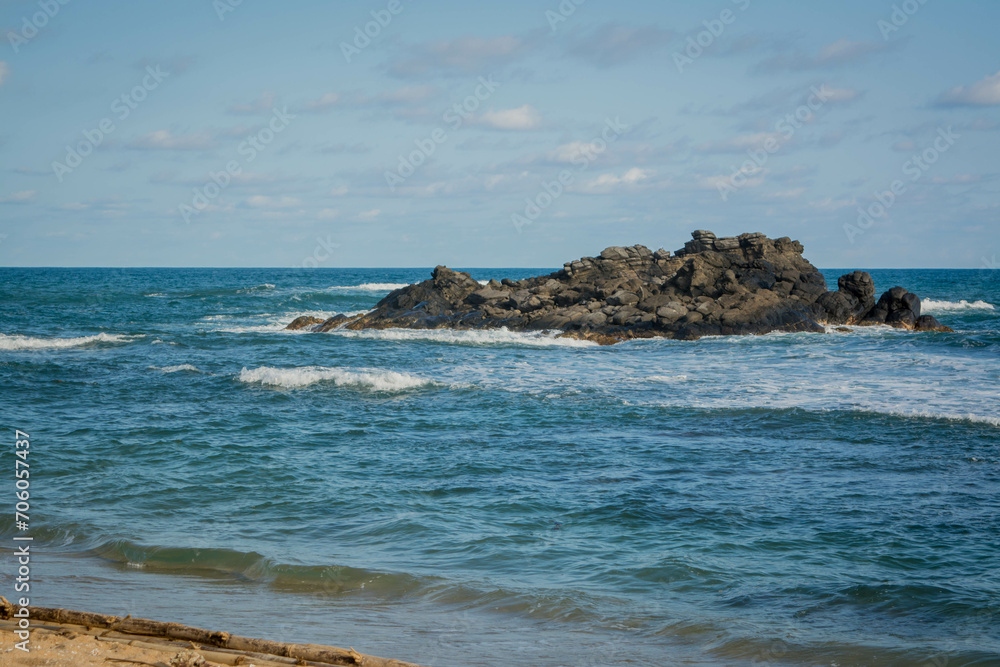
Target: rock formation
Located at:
point(748, 284)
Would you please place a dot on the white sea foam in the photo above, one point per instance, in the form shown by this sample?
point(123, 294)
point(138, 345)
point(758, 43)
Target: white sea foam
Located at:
point(929, 414)
point(669, 379)
point(275, 323)
point(370, 287)
point(371, 379)
point(477, 337)
point(18, 342)
point(176, 369)
point(932, 306)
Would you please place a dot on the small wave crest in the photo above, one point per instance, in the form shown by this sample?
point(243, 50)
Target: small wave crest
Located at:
point(932, 306)
point(370, 379)
point(265, 287)
point(18, 342)
point(177, 369)
point(222, 563)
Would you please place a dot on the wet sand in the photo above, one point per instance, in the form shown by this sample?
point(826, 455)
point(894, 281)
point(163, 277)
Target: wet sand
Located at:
point(79, 645)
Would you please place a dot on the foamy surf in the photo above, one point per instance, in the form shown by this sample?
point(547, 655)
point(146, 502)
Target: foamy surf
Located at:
point(18, 342)
point(932, 306)
point(369, 287)
point(273, 323)
point(475, 337)
point(667, 379)
point(370, 379)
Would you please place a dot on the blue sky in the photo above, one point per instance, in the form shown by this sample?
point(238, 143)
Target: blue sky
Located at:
point(227, 133)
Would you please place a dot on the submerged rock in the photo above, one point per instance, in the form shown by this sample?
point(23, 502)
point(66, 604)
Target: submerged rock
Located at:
point(748, 284)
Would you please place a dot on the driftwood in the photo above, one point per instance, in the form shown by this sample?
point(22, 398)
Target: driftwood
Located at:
point(313, 653)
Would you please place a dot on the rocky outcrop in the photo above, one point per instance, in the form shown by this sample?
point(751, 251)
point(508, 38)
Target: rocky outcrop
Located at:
point(748, 284)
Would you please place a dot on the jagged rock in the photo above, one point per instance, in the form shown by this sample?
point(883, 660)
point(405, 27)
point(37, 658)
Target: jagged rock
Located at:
point(748, 284)
point(303, 322)
point(853, 301)
point(486, 295)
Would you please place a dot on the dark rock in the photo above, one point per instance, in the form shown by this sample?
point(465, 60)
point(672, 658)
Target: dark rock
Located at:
point(930, 323)
point(853, 300)
point(748, 284)
point(303, 322)
point(897, 307)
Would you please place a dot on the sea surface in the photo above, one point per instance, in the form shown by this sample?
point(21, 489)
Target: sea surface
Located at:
point(499, 498)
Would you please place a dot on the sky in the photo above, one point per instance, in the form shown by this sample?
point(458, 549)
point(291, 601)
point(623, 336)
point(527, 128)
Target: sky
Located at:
point(413, 133)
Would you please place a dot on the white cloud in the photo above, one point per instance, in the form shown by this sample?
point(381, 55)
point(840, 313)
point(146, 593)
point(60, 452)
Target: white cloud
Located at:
point(834, 54)
point(608, 182)
point(831, 204)
point(4, 71)
point(794, 193)
point(261, 201)
point(522, 118)
point(830, 94)
point(613, 44)
point(328, 214)
point(465, 55)
point(165, 140)
point(958, 179)
point(984, 93)
point(339, 191)
point(369, 215)
point(323, 103)
point(566, 153)
point(22, 197)
point(262, 103)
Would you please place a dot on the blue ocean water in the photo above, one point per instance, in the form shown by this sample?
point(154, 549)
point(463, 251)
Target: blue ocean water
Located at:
point(487, 498)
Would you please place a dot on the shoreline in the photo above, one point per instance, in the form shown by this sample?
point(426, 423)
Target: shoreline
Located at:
point(68, 637)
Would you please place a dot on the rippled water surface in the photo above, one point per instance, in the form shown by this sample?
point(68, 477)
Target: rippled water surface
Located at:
point(494, 498)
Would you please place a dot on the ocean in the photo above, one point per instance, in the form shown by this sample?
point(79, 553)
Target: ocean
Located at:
point(496, 498)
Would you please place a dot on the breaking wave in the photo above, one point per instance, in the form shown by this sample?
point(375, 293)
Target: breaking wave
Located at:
point(370, 379)
point(18, 342)
point(932, 306)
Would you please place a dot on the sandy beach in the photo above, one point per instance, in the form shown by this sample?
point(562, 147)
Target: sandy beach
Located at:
point(94, 639)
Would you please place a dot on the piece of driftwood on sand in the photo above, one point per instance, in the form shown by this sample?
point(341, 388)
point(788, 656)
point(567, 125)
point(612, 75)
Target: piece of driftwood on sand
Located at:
point(220, 644)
